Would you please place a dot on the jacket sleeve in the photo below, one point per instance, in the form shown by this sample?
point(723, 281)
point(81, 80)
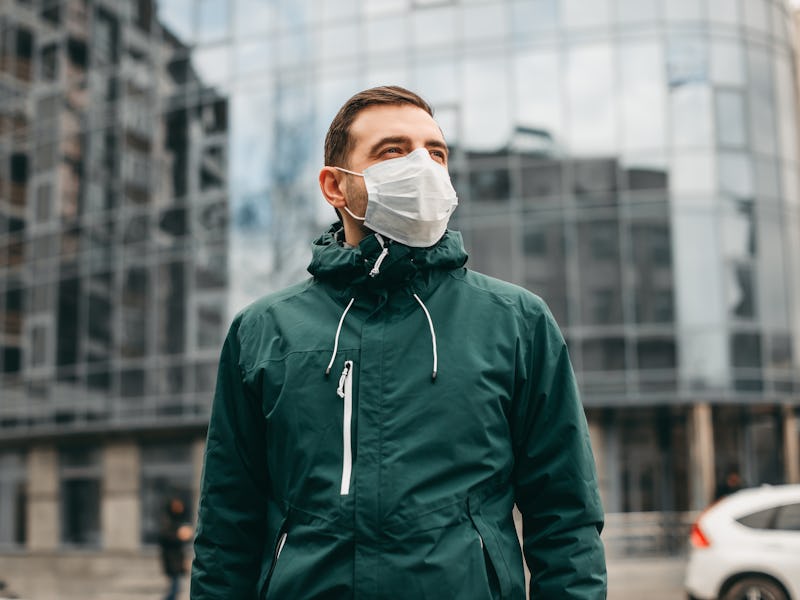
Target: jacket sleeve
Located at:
point(554, 475)
point(232, 516)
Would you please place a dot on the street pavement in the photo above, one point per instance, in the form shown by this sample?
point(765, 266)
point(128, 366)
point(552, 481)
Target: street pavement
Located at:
point(656, 578)
point(651, 578)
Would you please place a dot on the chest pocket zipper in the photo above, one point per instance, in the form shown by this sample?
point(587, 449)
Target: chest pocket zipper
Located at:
point(345, 392)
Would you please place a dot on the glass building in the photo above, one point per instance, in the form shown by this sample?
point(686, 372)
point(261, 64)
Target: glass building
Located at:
point(634, 162)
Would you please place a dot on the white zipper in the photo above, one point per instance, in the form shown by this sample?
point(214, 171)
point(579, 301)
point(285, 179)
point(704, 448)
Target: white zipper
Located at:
point(345, 392)
point(281, 544)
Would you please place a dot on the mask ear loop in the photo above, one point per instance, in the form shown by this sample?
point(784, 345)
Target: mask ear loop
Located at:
point(345, 207)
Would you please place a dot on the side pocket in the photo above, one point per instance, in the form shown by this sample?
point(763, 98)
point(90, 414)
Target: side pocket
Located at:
point(276, 548)
point(492, 552)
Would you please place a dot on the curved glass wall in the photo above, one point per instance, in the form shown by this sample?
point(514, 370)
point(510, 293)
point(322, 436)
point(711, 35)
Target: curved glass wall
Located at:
point(635, 163)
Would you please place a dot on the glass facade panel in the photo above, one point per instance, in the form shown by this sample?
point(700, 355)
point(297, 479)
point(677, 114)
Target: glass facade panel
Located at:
point(727, 62)
point(589, 76)
point(541, 113)
point(486, 114)
point(642, 97)
point(579, 15)
point(735, 172)
point(533, 17)
point(726, 12)
point(762, 99)
point(731, 121)
point(484, 22)
point(684, 10)
point(629, 12)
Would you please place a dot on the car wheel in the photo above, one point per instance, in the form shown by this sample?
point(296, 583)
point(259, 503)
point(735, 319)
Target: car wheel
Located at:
point(754, 588)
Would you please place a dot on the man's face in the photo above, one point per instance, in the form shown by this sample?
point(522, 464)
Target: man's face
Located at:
point(383, 132)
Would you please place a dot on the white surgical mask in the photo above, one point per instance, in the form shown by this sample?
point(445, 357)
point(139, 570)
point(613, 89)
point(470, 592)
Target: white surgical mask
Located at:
point(409, 199)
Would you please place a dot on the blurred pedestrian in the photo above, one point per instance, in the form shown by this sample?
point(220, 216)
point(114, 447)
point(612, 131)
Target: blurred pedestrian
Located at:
point(172, 538)
point(730, 483)
point(374, 426)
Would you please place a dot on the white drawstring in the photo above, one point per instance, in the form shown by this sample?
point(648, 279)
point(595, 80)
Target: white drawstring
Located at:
point(384, 253)
point(336, 339)
point(433, 337)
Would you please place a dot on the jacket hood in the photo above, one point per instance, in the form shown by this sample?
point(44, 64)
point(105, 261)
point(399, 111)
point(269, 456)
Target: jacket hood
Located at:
point(397, 265)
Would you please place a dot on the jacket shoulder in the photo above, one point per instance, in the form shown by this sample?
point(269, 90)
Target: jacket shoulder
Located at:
point(254, 313)
point(510, 295)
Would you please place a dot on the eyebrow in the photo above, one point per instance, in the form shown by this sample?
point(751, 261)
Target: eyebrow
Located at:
point(402, 139)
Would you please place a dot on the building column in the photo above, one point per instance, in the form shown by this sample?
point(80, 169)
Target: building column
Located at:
point(791, 444)
point(120, 504)
point(701, 454)
point(42, 514)
point(598, 448)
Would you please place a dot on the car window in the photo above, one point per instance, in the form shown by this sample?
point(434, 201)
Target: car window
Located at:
point(788, 517)
point(762, 519)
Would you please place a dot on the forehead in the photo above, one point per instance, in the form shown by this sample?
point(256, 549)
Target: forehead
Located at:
point(389, 120)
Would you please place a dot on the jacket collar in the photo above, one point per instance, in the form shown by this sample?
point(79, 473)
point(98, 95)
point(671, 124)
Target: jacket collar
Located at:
point(403, 266)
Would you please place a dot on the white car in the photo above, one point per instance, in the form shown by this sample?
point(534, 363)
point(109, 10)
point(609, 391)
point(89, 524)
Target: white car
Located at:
point(747, 547)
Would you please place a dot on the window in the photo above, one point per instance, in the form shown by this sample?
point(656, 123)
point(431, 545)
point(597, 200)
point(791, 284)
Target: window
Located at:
point(762, 519)
point(12, 499)
point(788, 518)
point(167, 472)
point(80, 470)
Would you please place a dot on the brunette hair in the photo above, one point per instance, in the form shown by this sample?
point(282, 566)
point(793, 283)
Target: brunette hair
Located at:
point(338, 142)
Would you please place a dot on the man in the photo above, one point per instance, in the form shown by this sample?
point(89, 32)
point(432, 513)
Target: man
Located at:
point(172, 536)
point(373, 426)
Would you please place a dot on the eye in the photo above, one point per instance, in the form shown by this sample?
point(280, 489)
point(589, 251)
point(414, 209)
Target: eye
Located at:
point(439, 156)
point(391, 150)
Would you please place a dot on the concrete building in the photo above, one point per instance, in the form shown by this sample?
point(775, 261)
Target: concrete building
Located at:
point(635, 162)
point(113, 287)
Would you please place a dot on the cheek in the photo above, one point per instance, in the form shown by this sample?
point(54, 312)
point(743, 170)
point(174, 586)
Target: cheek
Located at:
point(356, 192)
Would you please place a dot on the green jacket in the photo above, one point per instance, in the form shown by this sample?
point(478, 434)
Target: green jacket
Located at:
point(377, 480)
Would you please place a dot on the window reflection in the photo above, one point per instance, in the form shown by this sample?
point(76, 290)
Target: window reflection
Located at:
point(486, 115)
point(731, 122)
point(724, 11)
point(590, 98)
point(604, 354)
point(437, 82)
point(735, 174)
point(741, 297)
point(482, 22)
point(580, 14)
point(434, 27)
point(739, 231)
point(762, 122)
point(697, 265)
point(601, 277)
point(545, 263)
point(212, 19)
point(534, 72)
point(691, 116)
point(528, 16)
point(386, 35)
point(683, 10)
point(651, 254)
point(490, 249)
point(642, 98)
point(636, 11)
point(727, 62)
point(595, 181)
point(772, 291)
point(757, 15)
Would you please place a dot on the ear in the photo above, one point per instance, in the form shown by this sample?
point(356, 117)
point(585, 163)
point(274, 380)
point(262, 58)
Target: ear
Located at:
point(330, 183)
